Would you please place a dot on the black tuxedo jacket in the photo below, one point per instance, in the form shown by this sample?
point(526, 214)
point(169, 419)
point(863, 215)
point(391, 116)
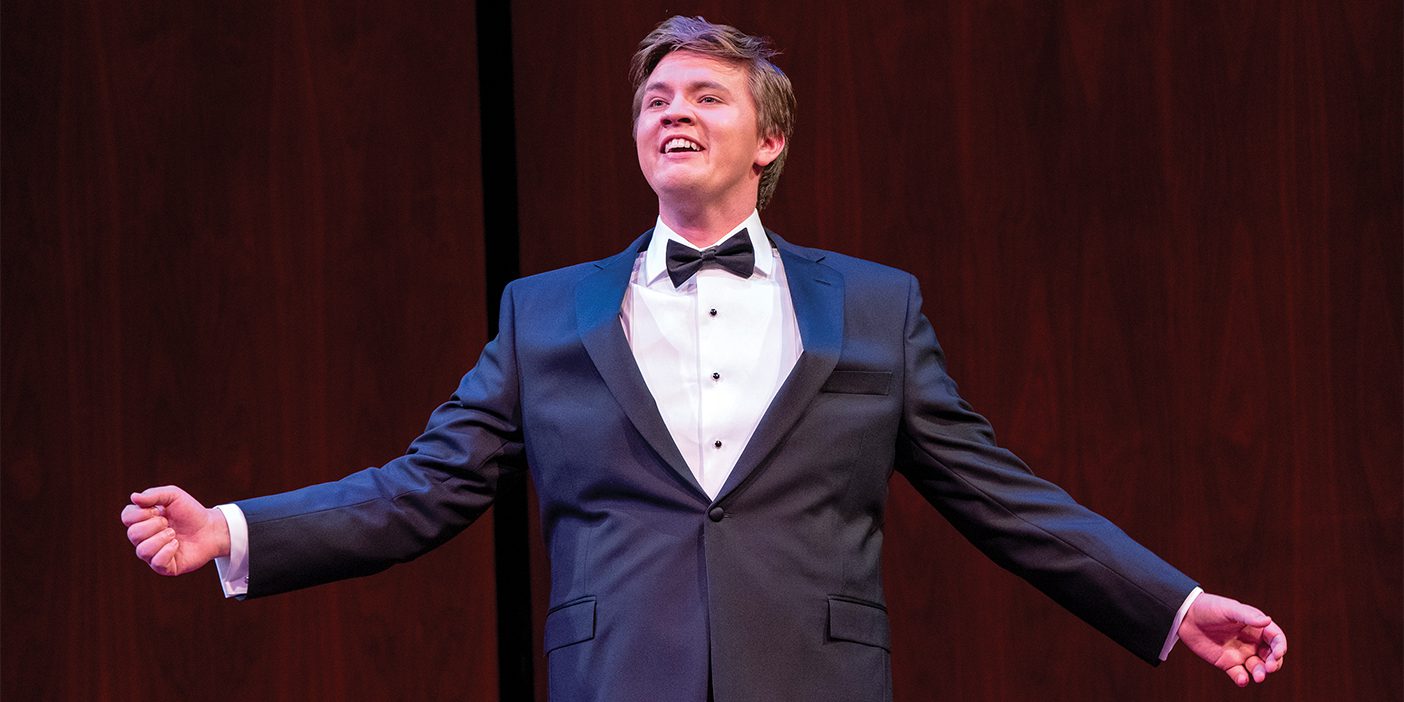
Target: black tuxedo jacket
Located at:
point(772, 591)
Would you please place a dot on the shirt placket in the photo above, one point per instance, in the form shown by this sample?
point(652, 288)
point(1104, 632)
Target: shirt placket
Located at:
point(715, 330)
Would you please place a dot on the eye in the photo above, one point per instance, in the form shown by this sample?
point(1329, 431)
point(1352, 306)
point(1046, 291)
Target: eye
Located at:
point(656, 102)
point(710, 100)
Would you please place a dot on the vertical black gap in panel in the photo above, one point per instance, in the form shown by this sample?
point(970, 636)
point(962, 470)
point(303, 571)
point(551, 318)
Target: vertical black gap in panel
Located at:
point(500, 248)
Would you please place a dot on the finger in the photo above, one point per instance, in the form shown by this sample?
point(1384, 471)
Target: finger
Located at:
point(152, 497)
point(1271, 647)
point(1254, 666)
point(144, 530)
point(131, 514)
point(1246, 614)
point(1238, 675)
point(1277, 640)
point(147, 549)
point(164, 560)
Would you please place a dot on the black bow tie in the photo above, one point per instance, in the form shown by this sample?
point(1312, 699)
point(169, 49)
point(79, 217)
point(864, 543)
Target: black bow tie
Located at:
point(734, 254)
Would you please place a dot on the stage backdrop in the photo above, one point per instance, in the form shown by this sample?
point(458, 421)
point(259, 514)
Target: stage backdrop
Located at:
point(243, 250)
point(242, 253)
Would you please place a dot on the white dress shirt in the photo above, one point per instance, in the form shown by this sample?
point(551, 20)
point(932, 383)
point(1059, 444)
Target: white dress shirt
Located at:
point(713, 352)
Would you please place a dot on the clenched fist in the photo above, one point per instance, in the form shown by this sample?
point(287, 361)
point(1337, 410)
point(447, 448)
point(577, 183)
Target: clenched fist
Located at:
point(174, 533)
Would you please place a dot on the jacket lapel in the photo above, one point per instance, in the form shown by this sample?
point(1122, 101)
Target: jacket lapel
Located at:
point(817, 293)
point(597, 299)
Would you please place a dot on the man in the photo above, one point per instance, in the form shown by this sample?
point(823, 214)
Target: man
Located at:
point(711, 418)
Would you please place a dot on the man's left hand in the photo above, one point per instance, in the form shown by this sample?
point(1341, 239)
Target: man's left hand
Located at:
point(1237, 638)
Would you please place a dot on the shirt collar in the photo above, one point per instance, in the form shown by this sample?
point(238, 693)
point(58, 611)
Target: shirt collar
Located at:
point(656, 258)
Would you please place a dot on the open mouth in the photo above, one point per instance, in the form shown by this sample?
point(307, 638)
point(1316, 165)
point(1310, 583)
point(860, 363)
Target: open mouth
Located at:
point(680, 144)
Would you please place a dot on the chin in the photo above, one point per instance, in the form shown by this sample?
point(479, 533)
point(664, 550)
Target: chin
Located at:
point(673, 188)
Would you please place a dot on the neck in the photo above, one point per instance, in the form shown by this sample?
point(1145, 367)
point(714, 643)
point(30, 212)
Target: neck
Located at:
point(703, 225)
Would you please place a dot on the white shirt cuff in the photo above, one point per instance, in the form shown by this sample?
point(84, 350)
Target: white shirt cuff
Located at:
point(234, 570)
point(1174, 636)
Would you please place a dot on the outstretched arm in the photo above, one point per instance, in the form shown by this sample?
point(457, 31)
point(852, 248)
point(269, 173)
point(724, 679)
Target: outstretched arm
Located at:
point(1237, 638)
point(173, 532)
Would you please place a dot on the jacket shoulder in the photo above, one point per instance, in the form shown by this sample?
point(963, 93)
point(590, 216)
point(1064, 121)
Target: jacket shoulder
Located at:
point(854, 269)
point(565, 278)
point(552, 278)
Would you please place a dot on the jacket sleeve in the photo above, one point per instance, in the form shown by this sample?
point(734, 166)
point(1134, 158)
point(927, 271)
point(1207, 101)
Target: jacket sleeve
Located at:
point(375, 518)
point(1026, 524)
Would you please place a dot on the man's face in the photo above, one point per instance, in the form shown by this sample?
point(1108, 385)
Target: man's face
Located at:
point(697, 135)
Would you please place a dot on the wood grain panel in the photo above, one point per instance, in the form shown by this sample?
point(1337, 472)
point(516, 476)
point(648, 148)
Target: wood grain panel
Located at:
point(242, 246)
point(1161, 245)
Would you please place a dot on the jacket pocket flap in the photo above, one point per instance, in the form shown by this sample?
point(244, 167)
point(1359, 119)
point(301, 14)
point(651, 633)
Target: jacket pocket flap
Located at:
point(859, 382)
point(860, 622)
point(570, 623)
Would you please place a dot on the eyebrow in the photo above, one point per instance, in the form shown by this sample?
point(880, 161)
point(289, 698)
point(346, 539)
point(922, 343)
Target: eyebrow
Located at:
point(698, 85)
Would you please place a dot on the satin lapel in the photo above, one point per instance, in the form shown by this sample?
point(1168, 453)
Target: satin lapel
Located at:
point(817, 293)
point(597, 299)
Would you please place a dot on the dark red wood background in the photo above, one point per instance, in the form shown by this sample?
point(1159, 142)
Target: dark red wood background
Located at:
point(1161, 243)
point(242, 253)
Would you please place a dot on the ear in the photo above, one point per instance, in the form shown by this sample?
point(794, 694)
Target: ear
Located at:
point(769, 148)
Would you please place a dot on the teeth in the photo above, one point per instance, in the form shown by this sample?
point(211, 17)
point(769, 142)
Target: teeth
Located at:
point(681, 143)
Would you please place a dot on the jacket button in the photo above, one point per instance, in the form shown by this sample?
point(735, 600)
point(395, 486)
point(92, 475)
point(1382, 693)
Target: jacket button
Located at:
point(716, 514)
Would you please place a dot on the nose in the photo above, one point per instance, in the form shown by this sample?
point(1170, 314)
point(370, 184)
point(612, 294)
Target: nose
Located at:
point(678, 112)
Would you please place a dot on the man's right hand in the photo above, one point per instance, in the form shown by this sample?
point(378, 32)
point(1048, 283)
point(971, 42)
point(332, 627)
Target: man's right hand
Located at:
point(173, 532)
